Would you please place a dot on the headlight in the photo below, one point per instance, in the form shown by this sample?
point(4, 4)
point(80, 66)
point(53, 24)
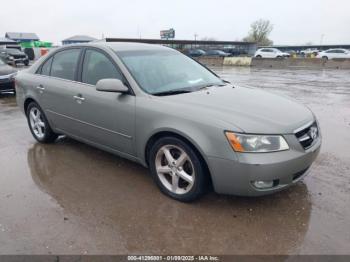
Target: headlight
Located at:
point(12, 76)
point(246, 143)
point(11, 58)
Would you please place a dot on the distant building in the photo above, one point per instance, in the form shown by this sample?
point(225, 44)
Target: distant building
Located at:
point(22, 37)
point(78, 39)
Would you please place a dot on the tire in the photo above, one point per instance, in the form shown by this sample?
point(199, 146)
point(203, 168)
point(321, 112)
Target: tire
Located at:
point(325, 58)
point(30, 53)
point(185, 181)
point(26, 63)
point(258, 56)
point(38, 124)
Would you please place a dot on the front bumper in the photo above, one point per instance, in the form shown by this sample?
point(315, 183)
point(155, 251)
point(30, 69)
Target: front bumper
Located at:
point(285, 168)
point(20, 61)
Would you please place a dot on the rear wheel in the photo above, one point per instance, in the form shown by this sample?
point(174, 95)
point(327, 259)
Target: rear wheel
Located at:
point(177, 169)
point(38, 124)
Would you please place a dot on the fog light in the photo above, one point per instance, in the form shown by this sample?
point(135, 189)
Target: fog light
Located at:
point(263, 184)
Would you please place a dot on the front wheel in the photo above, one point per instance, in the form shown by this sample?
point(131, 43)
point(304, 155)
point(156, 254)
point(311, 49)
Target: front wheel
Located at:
point(177, 169)
point(38, 124)
point(325, 58)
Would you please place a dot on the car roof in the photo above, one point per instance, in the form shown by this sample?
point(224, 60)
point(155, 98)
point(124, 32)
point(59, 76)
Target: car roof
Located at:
point(129, 46)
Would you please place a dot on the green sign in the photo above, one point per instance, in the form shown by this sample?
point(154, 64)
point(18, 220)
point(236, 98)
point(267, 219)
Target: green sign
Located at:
point(36, 44)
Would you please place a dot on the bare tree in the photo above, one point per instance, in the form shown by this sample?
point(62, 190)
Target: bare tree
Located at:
point(259, 32)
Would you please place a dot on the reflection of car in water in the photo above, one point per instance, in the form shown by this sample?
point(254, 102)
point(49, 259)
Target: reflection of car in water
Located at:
point(116, 201)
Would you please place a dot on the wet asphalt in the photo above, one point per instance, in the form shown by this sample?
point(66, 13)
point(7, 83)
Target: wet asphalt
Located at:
point(70, 198)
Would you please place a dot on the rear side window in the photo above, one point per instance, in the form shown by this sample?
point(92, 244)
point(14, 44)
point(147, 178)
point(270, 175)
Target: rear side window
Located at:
point(97, 66)
point(46, 68)
point(64, 64)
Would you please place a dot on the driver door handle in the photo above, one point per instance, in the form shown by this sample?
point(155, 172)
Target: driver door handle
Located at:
point(79, 98)
point(40, 87)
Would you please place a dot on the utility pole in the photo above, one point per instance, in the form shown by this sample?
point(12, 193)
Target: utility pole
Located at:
point(195, 40)
point(322, 36)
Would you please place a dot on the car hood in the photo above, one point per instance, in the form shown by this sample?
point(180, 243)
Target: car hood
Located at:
point(248, 109)
point(6, 70)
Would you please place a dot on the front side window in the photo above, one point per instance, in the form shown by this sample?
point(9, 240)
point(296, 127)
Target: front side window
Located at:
point(97, 66)
point(64, 64)
point(158, 71)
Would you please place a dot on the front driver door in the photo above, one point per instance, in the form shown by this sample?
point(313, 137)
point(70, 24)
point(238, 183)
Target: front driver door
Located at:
point(104, 118)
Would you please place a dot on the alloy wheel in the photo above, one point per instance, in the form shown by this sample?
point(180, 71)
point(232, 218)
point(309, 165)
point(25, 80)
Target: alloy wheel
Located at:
point(175, 169)
point(37, 123)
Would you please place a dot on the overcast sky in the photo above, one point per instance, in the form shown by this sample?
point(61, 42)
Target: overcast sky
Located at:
point(295, 21)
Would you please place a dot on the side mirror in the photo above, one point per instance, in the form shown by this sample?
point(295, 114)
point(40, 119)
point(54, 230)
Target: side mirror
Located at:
point(111, 85)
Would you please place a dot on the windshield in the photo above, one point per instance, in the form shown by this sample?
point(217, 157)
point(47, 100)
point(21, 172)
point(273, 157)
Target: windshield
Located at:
point(13, 51)
point(159, 71)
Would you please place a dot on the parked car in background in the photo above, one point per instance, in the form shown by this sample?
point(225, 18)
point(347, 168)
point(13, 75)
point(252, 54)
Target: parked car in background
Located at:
point(270, 53)
point(235, 52)
point(195, 52)
point(334, 53)
point(309, 51)
point(7, 74)
point(219, 53)
point(291, 52)
point(13, 56)
point(154, 105)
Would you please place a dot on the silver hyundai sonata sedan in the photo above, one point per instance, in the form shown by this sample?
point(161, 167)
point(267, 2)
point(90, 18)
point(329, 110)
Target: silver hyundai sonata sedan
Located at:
point(156, 106)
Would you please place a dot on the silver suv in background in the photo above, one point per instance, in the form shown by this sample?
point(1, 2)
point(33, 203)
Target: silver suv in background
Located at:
point(158, 107)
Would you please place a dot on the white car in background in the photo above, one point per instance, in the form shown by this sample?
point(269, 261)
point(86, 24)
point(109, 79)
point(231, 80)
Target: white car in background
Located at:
point(270, 53)
point(334, 53)
point(309, 51)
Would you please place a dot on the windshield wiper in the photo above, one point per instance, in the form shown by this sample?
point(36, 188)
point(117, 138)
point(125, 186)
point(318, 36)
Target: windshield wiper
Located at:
point(210, 85)
point(172, 92)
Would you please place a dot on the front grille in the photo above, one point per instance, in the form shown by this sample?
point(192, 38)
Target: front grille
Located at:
point(308, 136)
point(19, 56)
point(6, 86)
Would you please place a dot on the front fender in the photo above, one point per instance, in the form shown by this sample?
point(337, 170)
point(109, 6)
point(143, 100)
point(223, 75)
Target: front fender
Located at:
point(208, 140)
